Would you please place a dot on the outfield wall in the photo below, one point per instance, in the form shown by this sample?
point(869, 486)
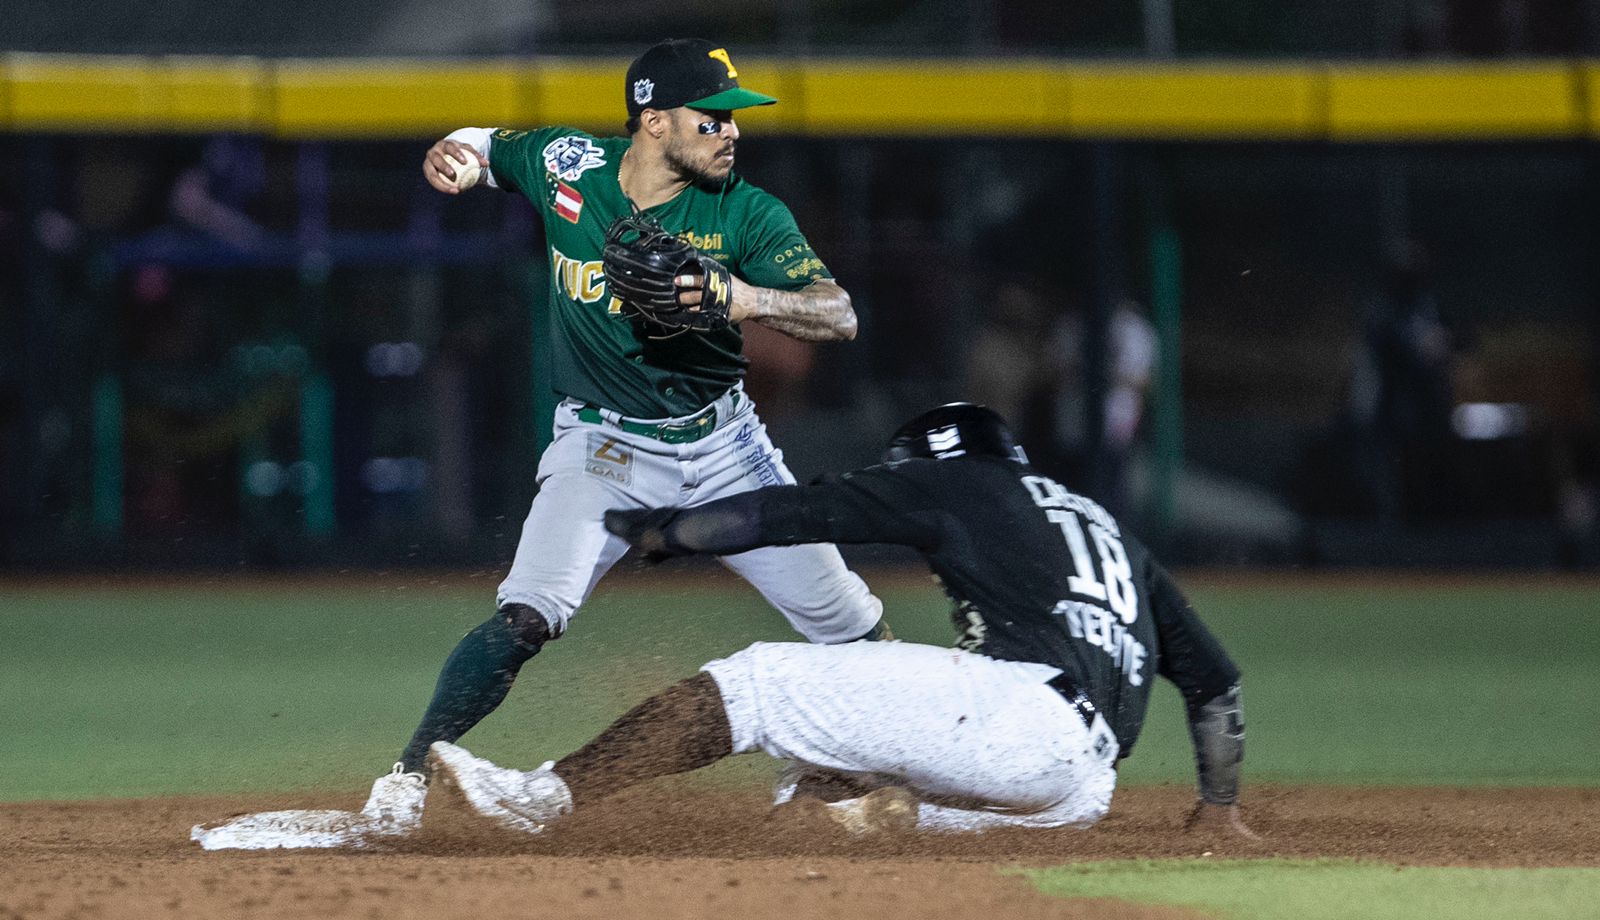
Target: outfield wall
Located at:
point(1253, 207)
point(824, 97)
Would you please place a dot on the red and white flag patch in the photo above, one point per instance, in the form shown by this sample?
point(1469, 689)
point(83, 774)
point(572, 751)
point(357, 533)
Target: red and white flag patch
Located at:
point(569, 203)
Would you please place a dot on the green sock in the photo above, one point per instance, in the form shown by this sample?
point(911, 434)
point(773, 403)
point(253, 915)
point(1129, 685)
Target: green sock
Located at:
point(473, 682)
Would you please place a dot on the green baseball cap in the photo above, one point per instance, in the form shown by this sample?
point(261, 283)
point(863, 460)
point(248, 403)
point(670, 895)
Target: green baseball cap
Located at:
point(687, 72)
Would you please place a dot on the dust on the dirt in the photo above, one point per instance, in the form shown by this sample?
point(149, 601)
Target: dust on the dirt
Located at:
point(675, 849)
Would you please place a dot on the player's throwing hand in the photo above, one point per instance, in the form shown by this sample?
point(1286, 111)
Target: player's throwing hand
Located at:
point(443, 158)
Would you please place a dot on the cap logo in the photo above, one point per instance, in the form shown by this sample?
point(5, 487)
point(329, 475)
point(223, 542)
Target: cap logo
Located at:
point(946, 442)
point(643, 91)
point(721, 54)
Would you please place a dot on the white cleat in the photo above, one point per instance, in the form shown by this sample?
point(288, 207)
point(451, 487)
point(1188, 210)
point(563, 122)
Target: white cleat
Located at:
point(509, 799)
point(394, 808)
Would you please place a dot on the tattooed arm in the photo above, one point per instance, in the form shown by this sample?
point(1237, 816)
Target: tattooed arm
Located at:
point(818, 312)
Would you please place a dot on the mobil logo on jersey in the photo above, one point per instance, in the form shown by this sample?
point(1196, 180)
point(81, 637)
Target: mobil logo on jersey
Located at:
point(707, 243)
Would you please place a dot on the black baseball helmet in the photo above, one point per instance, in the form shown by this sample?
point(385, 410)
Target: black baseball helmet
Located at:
point(957, 429)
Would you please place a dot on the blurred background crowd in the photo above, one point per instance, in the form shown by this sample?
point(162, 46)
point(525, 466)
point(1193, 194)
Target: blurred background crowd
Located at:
point(237, 349)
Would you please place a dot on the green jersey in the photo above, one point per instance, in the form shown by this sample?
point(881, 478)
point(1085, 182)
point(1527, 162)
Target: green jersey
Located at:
point(599, 355)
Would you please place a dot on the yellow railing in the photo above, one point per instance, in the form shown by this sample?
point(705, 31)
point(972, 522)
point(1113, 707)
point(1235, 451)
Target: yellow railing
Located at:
point(349, 98)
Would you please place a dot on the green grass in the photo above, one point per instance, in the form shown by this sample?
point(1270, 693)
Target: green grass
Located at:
point(1332, 890)
point(1485, 683)
point(218, 687)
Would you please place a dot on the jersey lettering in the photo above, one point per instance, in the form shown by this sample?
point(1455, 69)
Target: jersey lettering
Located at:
point(791, 252)
point(1104, 631)
point(1082, 580)
point(1113, 583)
point(811, 267)
point(1047, 493)
point(1116, 574)
point(584, 282)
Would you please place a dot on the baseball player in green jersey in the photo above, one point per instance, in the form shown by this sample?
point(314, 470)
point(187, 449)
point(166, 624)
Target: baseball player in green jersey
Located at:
point(648, 417)
point(651, 415)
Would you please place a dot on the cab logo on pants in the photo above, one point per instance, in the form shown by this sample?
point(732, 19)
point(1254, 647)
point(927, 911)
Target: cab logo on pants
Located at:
point(609, 459)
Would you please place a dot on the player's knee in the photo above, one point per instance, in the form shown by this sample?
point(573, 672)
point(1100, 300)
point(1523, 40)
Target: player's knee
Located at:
point(528, 626)
point(541, 602)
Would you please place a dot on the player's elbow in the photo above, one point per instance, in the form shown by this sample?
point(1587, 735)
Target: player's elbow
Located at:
point(846, 326)
point(846, 329)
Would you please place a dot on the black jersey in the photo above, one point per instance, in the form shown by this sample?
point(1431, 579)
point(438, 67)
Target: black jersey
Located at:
point(1037, 573)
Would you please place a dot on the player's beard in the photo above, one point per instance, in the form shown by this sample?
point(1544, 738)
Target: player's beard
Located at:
point(711, 172)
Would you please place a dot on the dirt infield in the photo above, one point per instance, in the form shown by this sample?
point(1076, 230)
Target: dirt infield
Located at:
point(678, 850)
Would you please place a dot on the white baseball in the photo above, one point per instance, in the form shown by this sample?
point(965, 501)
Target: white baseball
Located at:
point(467, 172)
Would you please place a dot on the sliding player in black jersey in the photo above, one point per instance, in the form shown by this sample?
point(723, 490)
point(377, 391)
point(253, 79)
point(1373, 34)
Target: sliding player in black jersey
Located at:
point(1063, 618)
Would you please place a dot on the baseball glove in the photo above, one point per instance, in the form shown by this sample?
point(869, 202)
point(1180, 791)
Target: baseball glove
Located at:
point(642, 264)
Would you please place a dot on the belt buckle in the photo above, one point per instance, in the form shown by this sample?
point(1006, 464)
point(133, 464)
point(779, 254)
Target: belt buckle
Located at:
point(690, 430)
